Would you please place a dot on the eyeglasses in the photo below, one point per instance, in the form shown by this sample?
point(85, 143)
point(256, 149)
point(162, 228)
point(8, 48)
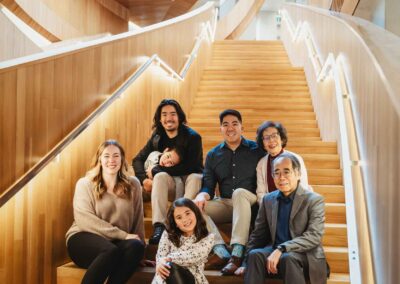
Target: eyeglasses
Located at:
point(285, 174)
point(270, 137)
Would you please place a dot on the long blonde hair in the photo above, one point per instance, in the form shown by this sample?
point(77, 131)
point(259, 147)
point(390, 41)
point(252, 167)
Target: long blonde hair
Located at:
point(123, 186)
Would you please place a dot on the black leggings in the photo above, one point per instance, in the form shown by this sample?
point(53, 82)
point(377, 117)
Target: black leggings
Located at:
point(102, 258)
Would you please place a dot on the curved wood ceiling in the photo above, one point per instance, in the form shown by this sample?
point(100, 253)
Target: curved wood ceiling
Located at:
point(147, 12)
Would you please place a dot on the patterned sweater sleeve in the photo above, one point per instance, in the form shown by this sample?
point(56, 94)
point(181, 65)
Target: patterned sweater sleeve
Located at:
point(195, 254)
point(85, 216)
point(164, 247)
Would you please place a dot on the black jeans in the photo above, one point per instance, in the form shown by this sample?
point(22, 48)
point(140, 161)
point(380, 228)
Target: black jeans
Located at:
point(102, 258)
point(179, 275)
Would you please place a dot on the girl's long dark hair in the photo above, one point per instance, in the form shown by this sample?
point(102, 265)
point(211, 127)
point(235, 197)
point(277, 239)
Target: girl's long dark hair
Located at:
point(174, 233)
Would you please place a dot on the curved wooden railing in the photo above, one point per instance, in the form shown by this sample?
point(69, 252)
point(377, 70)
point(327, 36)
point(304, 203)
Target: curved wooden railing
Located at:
point(16, 37)
point(208, 32)
point(355, 95)
point(34, 220)
point(60, 20)
point(235, 22)
point(49, 94)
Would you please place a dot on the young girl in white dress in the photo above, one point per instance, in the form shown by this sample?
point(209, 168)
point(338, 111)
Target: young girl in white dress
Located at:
point(185, 243)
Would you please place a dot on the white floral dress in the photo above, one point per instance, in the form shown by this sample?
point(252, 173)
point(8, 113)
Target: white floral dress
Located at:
point(190, 254)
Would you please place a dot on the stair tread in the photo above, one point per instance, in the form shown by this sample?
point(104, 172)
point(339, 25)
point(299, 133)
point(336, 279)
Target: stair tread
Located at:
point(77, 273)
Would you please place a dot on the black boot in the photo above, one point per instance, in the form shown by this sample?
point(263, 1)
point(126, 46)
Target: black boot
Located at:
point(158, 230)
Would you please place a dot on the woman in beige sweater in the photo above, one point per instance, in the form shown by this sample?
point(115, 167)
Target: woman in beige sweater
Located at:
point(107, 236)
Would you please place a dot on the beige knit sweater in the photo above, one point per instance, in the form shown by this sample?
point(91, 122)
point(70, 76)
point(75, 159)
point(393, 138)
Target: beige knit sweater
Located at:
point(111, 217)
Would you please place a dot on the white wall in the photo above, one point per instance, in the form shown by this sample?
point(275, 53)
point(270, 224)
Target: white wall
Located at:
point(264, 25)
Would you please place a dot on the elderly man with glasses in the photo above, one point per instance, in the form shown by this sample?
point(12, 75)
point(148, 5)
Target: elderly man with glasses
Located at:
point(287, 240)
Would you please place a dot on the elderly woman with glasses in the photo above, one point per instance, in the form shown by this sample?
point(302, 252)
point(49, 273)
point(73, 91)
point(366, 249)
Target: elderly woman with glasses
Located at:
point(272, 137)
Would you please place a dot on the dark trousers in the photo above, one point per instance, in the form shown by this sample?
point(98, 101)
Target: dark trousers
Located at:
point(179, 275)
point(292, 267)
point(115, 260)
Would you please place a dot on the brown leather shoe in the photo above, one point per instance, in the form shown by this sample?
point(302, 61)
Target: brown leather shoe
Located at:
point(233, 264)
point(214, 262)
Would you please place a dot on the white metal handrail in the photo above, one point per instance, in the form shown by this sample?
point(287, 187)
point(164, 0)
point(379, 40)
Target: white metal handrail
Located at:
point(336, 68)
point(207, 33)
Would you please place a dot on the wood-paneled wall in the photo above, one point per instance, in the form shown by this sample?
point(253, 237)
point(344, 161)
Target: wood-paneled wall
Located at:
point(144, 13)
point(43, 100)
point(375, 102)
point(33, 223)
point(69, 19)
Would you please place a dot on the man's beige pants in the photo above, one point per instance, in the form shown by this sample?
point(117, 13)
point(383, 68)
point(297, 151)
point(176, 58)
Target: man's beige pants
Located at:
point(166, 187)
point(236, 210)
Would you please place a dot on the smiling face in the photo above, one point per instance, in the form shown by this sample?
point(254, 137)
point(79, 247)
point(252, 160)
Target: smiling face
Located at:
point(231, 130)
point(169, 120)
point(169, 158)
point(272, 141)
point(110, 160)
point(185, 220)
point(286, 179)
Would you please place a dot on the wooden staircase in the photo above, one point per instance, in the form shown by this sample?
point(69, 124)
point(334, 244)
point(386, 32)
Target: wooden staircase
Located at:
point(256, 78)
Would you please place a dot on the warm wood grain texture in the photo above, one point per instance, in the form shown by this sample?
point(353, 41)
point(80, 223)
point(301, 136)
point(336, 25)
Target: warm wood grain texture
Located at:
point(115, 7)
point(34, 222)
point(349, 6)
point(148, 12)
point(257, 79)
point(71, 274)
point(14, 42)
point(372, 62)
point(45, 99)
point(20, 13)
point(234, 53)
point(68, 19)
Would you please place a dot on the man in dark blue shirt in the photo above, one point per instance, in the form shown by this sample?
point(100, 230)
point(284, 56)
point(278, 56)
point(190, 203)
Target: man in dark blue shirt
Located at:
point(232, 165)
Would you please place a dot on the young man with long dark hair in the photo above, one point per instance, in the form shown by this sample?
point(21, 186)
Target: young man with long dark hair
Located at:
point(170, 131)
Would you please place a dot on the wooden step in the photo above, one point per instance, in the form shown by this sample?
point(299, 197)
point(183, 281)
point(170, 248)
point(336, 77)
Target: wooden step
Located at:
point(256, 68)
point(331, 193)
point(253, 122)
point(237, 84)
point(321, 161)
point(335, 234)
point(255, 113)
point(335, 213)
point(279, 62)
point(291, 130)
point(247, 42)
point(276, 54)
point(254, 96)
point(338, 259)
point(69, 273)
point(273, 99)
point(301, 150)
point(230, 77)
point(325, 176)
point(265, 88)
point(251, 106)
point(299, 134)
